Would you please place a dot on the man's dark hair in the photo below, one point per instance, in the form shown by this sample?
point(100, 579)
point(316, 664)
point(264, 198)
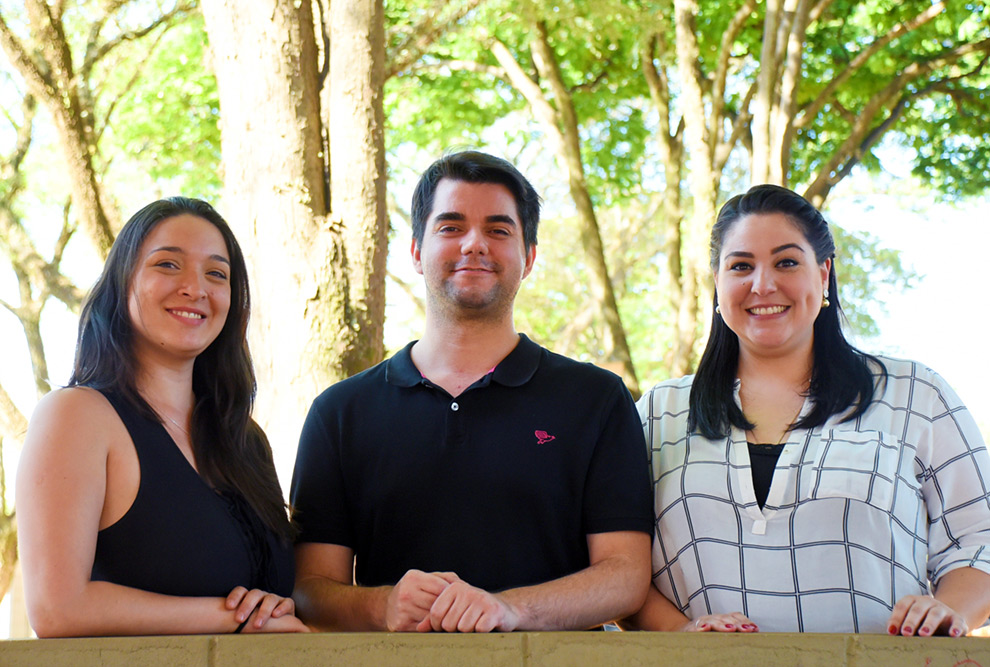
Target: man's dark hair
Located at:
point(840, 375)
point(231, 450)
point(476, 167)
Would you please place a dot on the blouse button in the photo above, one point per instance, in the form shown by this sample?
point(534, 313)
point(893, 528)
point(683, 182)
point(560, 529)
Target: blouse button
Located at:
point(454, 406)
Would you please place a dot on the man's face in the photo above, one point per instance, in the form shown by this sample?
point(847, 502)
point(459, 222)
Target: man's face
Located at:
point(473, 257)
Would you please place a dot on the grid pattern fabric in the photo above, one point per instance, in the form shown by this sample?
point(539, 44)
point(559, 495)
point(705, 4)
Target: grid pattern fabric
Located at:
point(859, 513)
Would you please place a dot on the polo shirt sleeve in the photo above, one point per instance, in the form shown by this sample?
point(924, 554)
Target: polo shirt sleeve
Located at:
point(618, 494)
point(317, 491)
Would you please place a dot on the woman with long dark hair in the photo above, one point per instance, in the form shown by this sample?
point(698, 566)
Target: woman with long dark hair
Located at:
point(147, 497)
point(802, 485)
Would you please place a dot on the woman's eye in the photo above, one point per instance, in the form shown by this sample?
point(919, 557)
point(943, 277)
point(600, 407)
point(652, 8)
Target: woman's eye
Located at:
point(787, 262)
point(217, 274)
point(167, 264)
point(739, 266)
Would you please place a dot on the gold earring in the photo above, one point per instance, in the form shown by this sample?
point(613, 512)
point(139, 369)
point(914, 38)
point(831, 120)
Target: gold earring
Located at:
point(825, 302)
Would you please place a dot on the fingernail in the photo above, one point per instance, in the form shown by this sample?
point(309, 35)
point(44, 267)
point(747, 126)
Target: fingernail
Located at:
point(956, 632)
point(702, 625)
point(747, 626)
point(892, 630)
point(908, 630)
point(730, 626)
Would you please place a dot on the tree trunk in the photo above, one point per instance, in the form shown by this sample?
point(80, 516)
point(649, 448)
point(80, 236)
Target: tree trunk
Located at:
point(671, 154)
point(357, 171)
point(318, 279)
point(264, 56)
point(47, 67)
point(760, 169)
point(559, 121)
point(695, 289)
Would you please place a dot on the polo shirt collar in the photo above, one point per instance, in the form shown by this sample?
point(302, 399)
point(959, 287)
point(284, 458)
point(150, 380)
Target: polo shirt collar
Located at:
point(513, 371)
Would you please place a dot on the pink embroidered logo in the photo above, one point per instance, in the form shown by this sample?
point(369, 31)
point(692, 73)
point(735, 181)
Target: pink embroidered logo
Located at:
point(542, 437)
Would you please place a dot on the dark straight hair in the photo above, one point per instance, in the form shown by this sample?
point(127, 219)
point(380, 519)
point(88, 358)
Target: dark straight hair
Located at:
point(840, 377)
point(231, 450)
point(476, 167)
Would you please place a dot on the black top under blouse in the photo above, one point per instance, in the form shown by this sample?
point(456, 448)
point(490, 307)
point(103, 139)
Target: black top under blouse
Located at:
point(181, 536)
point(763, 461)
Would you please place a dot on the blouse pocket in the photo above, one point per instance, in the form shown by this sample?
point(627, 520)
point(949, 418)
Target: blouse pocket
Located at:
point(859, 465)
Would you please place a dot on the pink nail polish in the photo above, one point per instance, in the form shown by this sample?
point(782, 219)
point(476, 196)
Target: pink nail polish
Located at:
point(908, 630)
point(730, 626)
point(892, 630)
point(956, 632)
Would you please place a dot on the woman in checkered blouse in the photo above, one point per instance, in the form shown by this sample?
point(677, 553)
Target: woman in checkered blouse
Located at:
point(800, 484)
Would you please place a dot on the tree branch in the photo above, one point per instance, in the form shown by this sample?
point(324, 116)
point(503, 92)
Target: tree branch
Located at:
point(464, 66)
point(818, 10)
point(722, 67)
point(832, 172)
point(739, 127)
point(409, 291)
point(590, 85)
point(810, 111)
point(13, 424)
point(94, 53)
point(19, 58)
point(131, 82)
point(421, 36)
point(530, 90)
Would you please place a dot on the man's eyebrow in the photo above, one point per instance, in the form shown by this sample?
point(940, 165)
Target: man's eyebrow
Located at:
point(454, 215)
point(448, 215)
point(180, 251)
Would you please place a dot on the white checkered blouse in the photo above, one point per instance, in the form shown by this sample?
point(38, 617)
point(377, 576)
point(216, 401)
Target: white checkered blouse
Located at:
point(859, 514)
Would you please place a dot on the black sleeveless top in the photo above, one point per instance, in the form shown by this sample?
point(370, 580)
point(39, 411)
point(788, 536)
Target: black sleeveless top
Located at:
point(181, 537)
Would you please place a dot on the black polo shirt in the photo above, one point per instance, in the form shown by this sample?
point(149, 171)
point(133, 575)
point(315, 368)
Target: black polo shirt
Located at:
point(500, 485)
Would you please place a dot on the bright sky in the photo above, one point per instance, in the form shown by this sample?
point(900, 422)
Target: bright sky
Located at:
point(943, 321)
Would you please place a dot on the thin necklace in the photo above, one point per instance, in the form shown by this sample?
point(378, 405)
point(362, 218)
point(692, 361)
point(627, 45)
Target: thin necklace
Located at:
point(163, 414)
point(788, 429)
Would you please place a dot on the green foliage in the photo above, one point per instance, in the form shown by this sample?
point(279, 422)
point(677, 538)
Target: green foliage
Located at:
point(437, 105)
point(864, 269)
point(556, 306)
point(943, 113)
point(950, 138)
point(167, 123)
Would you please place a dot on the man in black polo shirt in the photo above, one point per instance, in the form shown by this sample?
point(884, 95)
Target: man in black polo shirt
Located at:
point(475, 481)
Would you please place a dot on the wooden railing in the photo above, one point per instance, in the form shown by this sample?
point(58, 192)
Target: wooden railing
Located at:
point(610, 649)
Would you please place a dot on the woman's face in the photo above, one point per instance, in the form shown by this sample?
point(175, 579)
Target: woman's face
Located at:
point(770, 285)
point(180, 290)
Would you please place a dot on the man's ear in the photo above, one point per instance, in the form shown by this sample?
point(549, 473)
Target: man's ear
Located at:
point(530, 260)
point(414, 250)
